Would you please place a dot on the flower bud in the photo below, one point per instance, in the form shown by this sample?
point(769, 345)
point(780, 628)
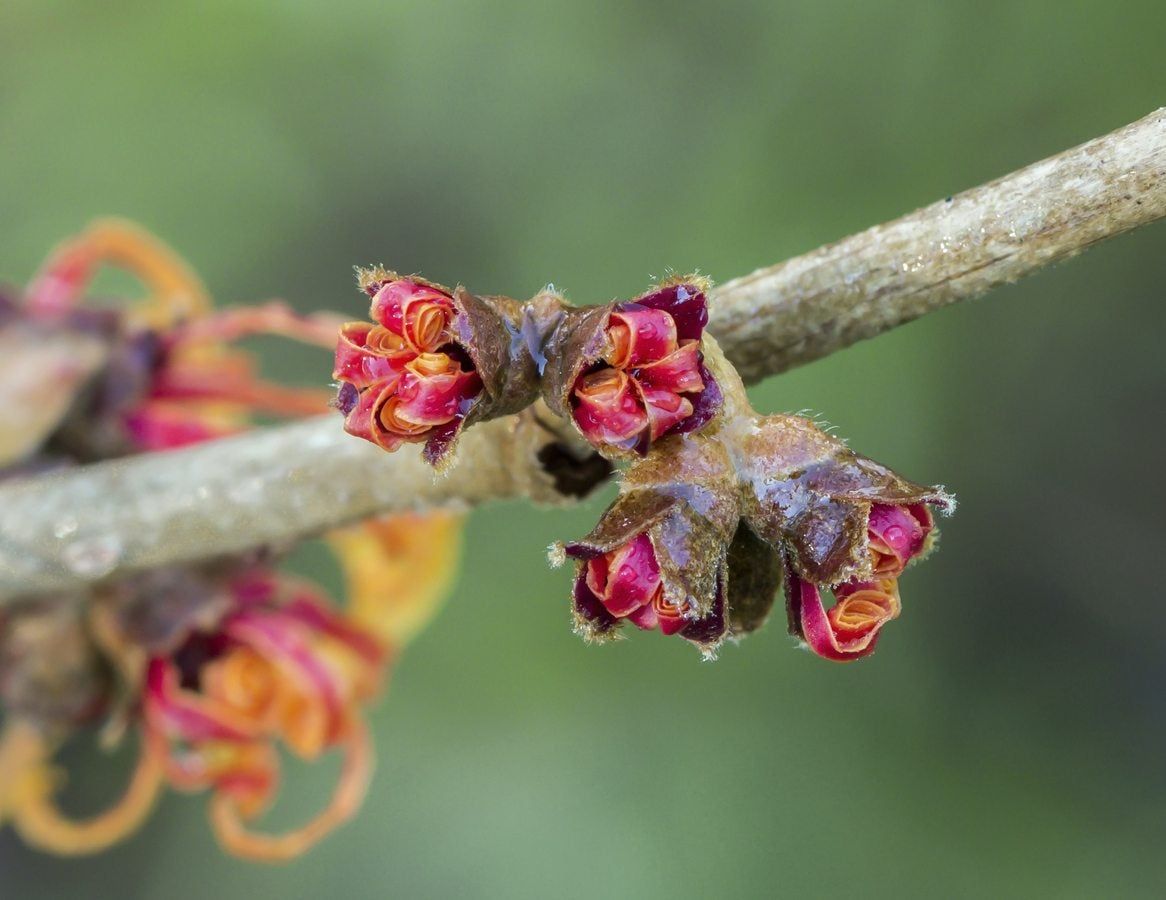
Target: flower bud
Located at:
point(435, 362)
point(626, 583)
point(839, 515)
point(629, 374)
point(658, 557)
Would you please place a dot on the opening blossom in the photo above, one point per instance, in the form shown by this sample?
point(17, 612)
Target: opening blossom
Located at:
point(708, 525)
point(280, 668)
point(158, 373)
point(850, 629)
point(628, 374)
point(404, 379)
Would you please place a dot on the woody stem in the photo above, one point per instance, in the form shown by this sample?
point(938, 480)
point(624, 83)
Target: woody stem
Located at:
point(62, 531)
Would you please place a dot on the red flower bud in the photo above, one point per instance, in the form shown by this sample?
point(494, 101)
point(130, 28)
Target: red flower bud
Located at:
point(628, 584)
point(631, 373)
point(834, 510)
point(437, 361)
point(850, 629)
point(660, 555)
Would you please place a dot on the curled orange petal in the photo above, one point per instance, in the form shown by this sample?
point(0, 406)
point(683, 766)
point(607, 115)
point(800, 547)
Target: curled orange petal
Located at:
point(229, 821)
point(26, 797)
point(243, 680)
point(176, 293)
point(863, 608)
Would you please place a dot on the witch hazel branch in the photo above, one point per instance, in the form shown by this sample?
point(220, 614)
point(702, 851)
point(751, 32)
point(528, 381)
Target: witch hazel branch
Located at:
point(144, 517)
point(718, 506)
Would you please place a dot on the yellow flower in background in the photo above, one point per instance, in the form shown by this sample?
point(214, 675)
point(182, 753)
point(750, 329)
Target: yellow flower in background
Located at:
point(398, 570)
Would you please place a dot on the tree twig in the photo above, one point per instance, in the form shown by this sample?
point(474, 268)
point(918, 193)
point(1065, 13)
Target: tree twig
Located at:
point(958, 248)
point(61, 531)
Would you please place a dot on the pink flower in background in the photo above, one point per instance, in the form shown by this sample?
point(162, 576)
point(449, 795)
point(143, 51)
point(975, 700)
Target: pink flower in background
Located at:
point(280, 667)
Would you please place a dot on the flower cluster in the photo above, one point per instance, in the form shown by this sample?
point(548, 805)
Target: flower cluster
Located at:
point(432, 361)
point(719, 505)
point(215, 666)
point(709, 524)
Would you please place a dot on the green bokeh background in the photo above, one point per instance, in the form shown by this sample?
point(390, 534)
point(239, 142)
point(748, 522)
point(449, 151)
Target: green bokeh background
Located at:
point(1006, 740)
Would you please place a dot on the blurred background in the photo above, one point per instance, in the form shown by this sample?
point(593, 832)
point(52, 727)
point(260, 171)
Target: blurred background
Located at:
point(1006, 740)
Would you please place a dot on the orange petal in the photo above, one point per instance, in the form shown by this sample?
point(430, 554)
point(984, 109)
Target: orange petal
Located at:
point(26, 788)
point(176, 293)
point(228, 821)
point(273, 317)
